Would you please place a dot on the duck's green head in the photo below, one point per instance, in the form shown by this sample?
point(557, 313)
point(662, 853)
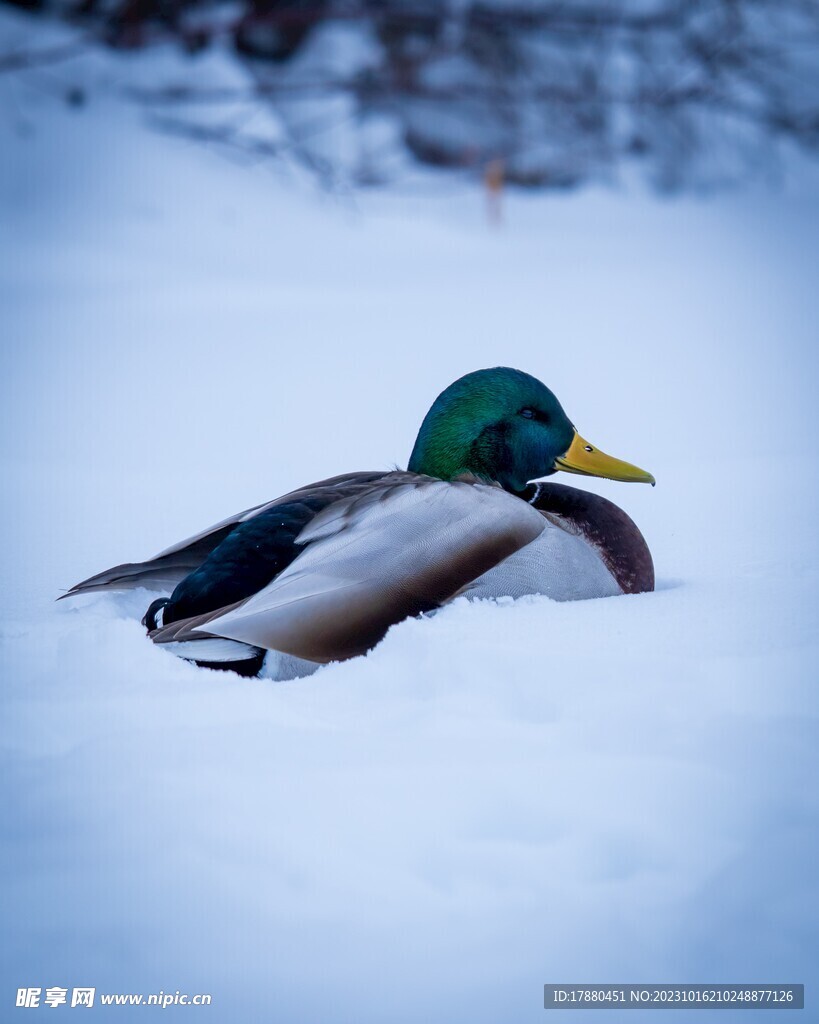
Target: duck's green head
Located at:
point(504, 425)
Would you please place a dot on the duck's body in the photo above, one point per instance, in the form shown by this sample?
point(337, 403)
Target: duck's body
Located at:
point(321, 573)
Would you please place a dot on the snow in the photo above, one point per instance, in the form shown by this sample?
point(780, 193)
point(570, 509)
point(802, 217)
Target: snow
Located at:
point(502, 795)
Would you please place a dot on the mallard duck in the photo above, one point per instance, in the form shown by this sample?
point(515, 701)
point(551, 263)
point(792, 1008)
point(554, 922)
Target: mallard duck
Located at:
point(321, 573)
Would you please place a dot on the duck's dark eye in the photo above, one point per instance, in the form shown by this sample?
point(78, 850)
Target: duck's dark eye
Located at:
point(534, 414)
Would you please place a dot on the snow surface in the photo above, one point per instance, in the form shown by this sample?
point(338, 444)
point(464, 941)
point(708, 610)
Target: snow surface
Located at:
point(500, 796)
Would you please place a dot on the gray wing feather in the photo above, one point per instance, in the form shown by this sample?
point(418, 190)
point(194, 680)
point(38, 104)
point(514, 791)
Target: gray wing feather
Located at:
point(400, 548)
point(172, 565)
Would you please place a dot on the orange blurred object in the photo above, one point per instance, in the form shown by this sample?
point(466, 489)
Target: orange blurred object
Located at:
point(493, 179)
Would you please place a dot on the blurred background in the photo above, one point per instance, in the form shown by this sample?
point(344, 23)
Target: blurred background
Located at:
point(535, 93)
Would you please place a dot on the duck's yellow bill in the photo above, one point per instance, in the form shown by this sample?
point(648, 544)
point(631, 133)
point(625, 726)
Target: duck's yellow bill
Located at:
point(587, 460)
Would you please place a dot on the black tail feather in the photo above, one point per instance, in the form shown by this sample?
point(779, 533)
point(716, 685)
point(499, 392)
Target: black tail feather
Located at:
point(149, 618)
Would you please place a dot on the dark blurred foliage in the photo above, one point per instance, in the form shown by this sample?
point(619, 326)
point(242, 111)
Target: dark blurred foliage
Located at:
point(553, 93)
